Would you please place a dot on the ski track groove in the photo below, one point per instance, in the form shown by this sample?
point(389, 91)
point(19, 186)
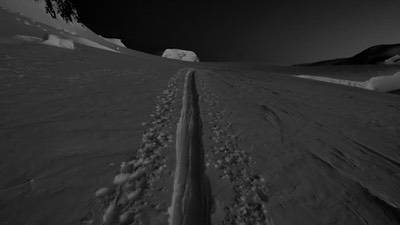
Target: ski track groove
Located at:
point(192, 192)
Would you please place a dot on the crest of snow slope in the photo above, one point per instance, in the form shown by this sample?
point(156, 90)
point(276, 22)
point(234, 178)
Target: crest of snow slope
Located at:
point(395, 60)
point(74, 31)
point(179, 54)
point(379, 83)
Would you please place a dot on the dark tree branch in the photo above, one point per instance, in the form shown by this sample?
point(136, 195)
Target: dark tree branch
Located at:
point(63, 8)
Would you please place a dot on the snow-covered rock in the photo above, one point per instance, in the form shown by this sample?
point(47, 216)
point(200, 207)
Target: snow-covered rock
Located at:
point(56, 41)
point(179, 54)
point(379, 83)
point(395, 60)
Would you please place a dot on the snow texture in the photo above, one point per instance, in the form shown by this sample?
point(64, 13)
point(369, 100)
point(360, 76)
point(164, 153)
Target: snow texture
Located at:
point(395, 60)
point(379, 83)
point(56, 41)
point(179, 54)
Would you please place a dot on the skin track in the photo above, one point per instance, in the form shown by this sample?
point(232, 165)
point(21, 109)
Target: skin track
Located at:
point(191, 194)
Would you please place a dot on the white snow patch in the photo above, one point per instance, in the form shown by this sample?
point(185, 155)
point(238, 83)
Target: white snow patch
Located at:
point(26, 22)
point(102, 192)
point(179, 54)
point(379, 83)
point(28, 38)
point(121, 178)
point(92, 44)
point(384, 83)
point(115, 41)
point(394, 60)
point(56, 41)
point(335, 81)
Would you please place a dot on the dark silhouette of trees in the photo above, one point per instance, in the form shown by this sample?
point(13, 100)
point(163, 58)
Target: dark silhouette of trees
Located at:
point(63, 8)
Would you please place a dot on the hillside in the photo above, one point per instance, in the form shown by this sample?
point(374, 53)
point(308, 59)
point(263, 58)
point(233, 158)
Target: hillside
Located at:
point(374, 55)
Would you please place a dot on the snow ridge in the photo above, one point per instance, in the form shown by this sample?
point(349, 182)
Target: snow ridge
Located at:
point(379, 83)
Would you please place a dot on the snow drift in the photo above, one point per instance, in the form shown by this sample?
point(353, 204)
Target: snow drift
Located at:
point(379, 83)
point(92, 44)
point(56, 41)
point(115, 41)
point(334, 80)
point(28, 38)
point(384, 83)
point(179, 54)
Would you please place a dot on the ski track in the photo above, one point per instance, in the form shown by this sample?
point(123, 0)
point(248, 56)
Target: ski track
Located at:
point(191, 199)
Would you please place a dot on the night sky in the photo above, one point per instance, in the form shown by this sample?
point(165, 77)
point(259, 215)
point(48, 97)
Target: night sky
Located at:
point(272, 31)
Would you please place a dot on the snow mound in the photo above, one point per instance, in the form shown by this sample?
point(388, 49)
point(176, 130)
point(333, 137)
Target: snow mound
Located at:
point(395, 60)
point(384, 83)
point(179, 54)
point(379, 83)
point(115, 41)
point(56, 41)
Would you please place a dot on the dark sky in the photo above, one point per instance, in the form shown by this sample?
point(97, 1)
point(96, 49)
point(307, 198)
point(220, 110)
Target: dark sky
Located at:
point(272, 31)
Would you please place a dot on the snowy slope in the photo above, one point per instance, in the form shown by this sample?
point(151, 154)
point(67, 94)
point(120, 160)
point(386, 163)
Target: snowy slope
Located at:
point(88, 136)
point(31, 13)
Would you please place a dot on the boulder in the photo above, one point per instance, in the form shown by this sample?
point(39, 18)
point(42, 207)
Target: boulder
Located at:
point(179, 54)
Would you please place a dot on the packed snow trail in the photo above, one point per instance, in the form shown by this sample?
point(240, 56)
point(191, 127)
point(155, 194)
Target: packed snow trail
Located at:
point(191, 200)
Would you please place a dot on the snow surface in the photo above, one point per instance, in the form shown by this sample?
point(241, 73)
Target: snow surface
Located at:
point(180, 54)
point(56, 41)
point(379, 83)
point(395, 60)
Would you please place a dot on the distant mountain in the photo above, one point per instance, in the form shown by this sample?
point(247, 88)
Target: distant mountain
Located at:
point(379, 54)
